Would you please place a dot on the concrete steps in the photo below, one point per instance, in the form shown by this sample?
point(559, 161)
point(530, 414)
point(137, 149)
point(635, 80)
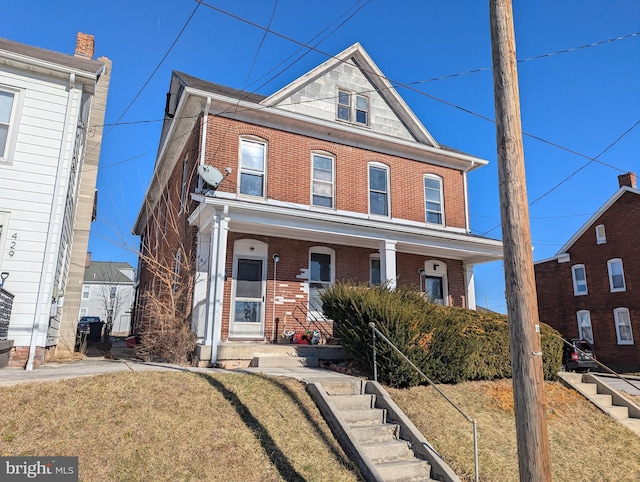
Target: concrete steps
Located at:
point(284, 361)
point(606, 398)
point(376, 434)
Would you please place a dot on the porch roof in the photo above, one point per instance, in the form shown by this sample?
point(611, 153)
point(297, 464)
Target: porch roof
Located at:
point(343, 228)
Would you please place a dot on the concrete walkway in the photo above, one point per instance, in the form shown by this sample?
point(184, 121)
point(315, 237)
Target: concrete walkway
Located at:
point(94, 363)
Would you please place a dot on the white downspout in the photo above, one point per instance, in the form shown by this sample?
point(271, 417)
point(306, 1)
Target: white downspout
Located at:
point(50, 246)
point(211, 292)
point(203, 140)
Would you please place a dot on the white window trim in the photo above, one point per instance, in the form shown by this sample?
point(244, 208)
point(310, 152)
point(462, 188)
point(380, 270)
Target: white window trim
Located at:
point(576, 292)
point(14, 120)
point(624, 283)
point(371, 258)
point(436, 268)
point(88, 292)
point(333, 180)
point(601, 234)
point(616, 313)
point(256, 140)
point(424, 188)
point(379, 165)
point(353, 107)
point(580, 333)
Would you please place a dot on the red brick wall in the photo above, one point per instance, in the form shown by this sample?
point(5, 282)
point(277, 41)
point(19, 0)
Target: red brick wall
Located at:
point(19, 356)
point(558, 305)
point(289, 172)
point(352, 263)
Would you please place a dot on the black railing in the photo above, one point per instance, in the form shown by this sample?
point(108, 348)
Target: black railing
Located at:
point(6, 304)
point(374, 332)
point(310, 318)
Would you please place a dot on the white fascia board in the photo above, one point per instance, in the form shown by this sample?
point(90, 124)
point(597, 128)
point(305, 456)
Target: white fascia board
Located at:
point(595, 216)
point(24, 62)
point(336, 132)
point(365, 232)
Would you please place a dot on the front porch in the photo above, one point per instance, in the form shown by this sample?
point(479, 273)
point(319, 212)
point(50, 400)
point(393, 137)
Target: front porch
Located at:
point(242, 354)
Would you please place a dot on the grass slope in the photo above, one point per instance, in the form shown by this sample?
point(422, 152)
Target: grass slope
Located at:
point(175, 426)
point(585, 444)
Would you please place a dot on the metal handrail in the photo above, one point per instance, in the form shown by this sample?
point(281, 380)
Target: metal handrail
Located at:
point(321, 324)
point(597, 362)
point(374, 330)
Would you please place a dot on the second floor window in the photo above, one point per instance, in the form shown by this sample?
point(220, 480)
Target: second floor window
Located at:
point(322, 181)
point(616, 275)
point(378, 190)
point(252, 167)
point(86, 292)
point(579, 279)
point(433, 199)
point(6, 109)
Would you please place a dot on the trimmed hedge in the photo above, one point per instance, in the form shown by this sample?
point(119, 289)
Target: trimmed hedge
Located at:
point(449, 344)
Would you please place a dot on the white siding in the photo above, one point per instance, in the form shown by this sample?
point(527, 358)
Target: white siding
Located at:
point(27, 189)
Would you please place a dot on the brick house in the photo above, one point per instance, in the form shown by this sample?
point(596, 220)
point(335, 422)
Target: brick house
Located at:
point(591, 288)
point(330, 178)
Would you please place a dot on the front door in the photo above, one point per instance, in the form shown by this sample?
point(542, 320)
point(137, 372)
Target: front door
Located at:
point(320, 278)
point(433, 288)
point(248, 315)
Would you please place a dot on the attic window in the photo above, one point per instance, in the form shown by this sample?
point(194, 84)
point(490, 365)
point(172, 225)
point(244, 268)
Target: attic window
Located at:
point(356, 112)
point(601, 236)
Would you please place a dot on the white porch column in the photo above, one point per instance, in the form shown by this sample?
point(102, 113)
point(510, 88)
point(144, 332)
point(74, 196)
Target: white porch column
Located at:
point(211, 282)
point(470, 286)
point(388, 263)
point(219, 273)
point(200, 286)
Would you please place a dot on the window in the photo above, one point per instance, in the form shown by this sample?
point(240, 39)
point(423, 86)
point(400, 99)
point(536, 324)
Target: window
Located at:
point(579, 280)
point(379, 190)
point(601, 235)
point(585, 331)
point(112, 292)
point(623, 326)
point(86, 292)
point(322, 181)
point(433, 199)
point(252, 167)
point(176, 269)
point(7, 101)
point(616, 275)
point(374, 270)
point(183, 188)
point(83, 312)
point(357, 113)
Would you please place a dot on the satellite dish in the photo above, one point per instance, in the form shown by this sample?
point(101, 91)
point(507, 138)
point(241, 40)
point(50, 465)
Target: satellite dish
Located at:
point(210, 175)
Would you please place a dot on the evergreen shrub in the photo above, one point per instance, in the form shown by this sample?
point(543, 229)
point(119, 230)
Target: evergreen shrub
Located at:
point(448, 344)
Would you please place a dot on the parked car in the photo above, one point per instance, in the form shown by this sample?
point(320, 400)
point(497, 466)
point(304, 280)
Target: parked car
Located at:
point(89, 329)
point(577, 359)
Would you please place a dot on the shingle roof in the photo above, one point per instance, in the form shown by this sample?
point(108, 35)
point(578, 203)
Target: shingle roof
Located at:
point(78, 63)
point(106, 272)
point(214, 88)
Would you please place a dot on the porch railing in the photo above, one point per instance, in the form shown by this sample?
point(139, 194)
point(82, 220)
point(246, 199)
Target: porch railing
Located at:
point(6, 304)
point(310, 318)
point(374, 332)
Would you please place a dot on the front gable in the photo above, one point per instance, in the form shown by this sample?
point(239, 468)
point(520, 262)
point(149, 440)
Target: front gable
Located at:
point(315, 94)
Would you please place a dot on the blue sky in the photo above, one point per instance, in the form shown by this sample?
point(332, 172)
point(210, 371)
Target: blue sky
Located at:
point(582, 100)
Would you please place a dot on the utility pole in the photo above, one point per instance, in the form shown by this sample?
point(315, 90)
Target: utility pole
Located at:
point(522, 307)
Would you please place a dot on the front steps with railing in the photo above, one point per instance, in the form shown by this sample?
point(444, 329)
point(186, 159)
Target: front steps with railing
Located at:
point(606, 398)
point(375, 432)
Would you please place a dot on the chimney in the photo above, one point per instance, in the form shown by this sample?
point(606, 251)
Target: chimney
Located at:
point(87, 261)
point(628, 179)
point(84, 45)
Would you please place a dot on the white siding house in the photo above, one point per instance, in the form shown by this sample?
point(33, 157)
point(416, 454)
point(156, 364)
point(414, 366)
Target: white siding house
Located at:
point(109, 286)
point(45, 112)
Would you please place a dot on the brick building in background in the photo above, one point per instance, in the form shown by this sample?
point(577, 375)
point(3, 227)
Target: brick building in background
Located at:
point(591, 288)
point(331, 178)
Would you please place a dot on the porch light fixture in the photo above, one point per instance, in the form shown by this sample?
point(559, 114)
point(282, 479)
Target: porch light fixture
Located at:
point(276, 257)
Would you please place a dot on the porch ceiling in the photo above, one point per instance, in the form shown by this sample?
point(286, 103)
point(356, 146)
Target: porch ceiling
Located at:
point(346, 229)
